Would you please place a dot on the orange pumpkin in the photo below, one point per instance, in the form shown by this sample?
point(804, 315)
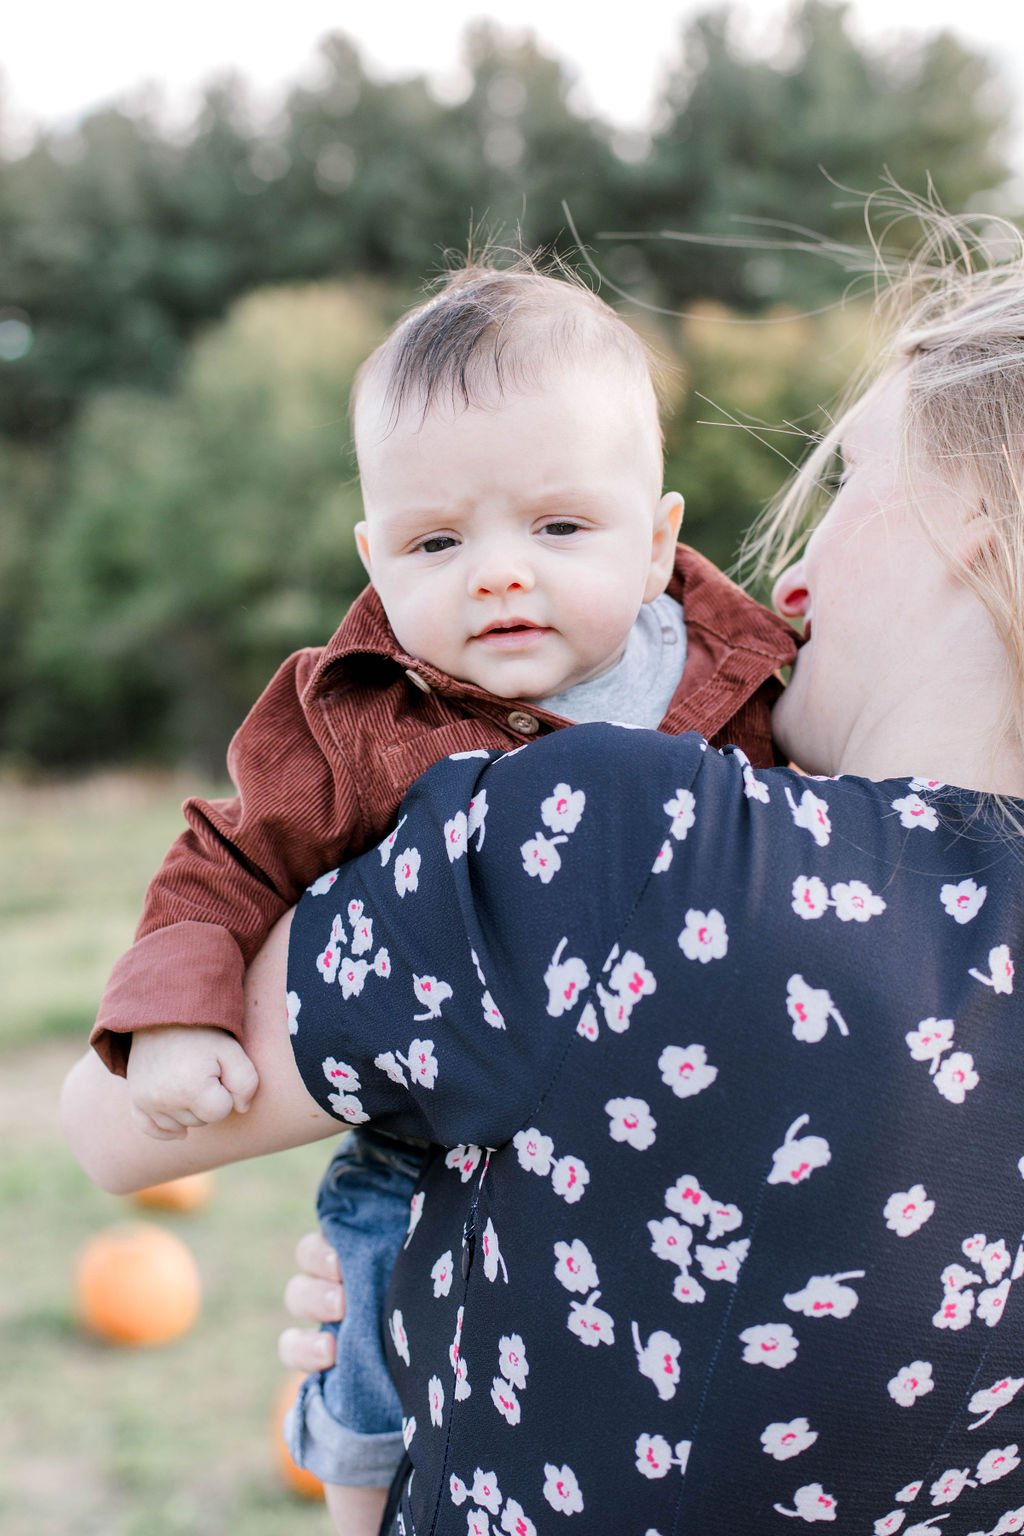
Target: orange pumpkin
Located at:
point(190, 1193)
point(136, 1284)
point(295, 1478)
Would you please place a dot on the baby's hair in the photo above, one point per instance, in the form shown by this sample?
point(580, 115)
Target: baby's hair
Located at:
point(953, 315)
point(494, 329)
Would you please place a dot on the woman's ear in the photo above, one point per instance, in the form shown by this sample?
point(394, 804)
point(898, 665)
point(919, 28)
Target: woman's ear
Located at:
point(668, 518)
point(362, 533)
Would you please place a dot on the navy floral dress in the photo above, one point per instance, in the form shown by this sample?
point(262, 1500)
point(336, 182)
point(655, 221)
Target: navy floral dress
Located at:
point(724, 1074)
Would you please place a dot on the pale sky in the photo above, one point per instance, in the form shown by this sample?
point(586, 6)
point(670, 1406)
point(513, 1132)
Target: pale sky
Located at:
point(54, 68)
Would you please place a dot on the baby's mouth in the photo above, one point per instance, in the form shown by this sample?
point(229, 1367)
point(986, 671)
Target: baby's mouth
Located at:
point(510, 633)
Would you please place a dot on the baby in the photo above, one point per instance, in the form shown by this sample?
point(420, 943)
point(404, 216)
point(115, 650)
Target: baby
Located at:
point(525, 575)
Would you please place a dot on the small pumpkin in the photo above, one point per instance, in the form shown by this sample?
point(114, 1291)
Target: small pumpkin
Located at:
point(190, 1193)
point(136, 1284)
point(295, 1478)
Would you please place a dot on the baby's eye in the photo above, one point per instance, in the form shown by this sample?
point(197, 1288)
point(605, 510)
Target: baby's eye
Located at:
point(439, 542)
point(562, 529)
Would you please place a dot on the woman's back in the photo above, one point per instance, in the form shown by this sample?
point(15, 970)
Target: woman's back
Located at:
point(746, 1048)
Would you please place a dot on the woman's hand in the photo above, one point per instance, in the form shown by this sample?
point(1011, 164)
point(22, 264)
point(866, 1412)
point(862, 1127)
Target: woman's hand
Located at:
point(314, 1295)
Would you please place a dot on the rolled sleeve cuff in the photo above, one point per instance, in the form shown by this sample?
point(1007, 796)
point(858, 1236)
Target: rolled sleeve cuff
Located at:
point(333, 1453)
point(188, 973)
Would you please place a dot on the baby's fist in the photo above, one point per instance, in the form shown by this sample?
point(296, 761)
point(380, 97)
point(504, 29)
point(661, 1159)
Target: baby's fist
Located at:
point(180, 1076)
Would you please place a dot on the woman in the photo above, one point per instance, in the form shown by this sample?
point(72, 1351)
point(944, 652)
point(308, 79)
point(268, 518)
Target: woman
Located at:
point(743, 1046)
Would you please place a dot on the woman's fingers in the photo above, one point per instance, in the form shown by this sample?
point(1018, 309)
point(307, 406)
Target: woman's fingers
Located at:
point(314, 1301)
point(315, 1256)
point(301, 1350)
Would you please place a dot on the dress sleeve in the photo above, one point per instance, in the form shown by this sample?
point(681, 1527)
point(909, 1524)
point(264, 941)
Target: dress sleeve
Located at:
point(226, 880)
point(436, 982)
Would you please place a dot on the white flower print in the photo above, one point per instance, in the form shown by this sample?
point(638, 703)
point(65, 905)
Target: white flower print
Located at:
point(974, 1246)
point(688, 1200)
point(663, 858)
point(810, 897)
point(590, 1323)
point(630, 977)
point(811, 1503)
point(362, 936)
point(435, 1396)
point(352, 976)
point(632, 1122)
point(826, 1296)
point(384, 848)
point(682, 809)
point(998, 1463)
point(416, 1205)
point(992, 1398)
point(382, 964)
point(753, 787)
point(456, 836)
point(722, 1219)
point(570, 1177)
point(477, 1523)
point(654, 1456)
point(810, 1009)
point(616, 1007)
point(658, 1360)
point(462, 1386)
point(408, 1430)
point(1000, 965)
point(798, 1157)
point(462, 757)
point(929, 1040)
point(466, 1158)
point(926, 786)
point(322, 886)
point(956, 1077)
point(783, 1441)
point(562, 1490)
point(492, 1013)
point(908, 1210)
point(812, 814)
point(503, 1396)
point(686, 1289)
point(442, 1273)
point(485, 1491)
point(458, 1490)
point(541, 857)
point(422, 1063)
point(888, 1525)
point(956, 1278)
point(914, 812)
point(1011, 1520)
point(685, 1069)
point(534, 1151)
point(855, 902)
point(911, 1382)
point(354, 910)
point(431, 994)
point(671, 1240)
point(955, 1311)
point(562, 810)
point(587, 1025)
point(345, 1101)
point(329, 959)
point(476, 818)
point(512, 1361)
point(348, 1107)
point(908, 1494)
point(991, 1303)
point(515, 1521)
point(565, 980)
point(575, 1268)
point(407, 871)
point(292, 1004)
point(704, 938)
point(388, 1062)
point(399, 1337)
point(995, 1260)
point(771, 1344)
point(964, 900)
point(493, 1260)
point(951, 1485)
point(722, 1263)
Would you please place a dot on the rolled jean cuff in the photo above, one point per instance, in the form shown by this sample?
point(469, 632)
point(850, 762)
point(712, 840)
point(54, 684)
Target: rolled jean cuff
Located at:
point(333, 1453)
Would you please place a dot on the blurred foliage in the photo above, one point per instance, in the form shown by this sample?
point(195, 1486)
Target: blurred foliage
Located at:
point(181, 314)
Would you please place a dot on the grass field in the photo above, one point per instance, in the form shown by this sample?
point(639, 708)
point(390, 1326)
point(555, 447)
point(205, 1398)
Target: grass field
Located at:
point(97, 1441)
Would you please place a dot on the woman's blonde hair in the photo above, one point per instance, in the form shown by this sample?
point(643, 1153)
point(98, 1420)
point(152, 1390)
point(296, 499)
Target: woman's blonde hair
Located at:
point(952, 314)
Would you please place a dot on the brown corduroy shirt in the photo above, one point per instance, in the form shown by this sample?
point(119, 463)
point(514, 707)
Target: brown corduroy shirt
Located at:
point(321, 764)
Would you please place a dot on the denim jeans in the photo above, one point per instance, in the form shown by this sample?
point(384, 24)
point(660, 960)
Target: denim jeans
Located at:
point(346, 1423)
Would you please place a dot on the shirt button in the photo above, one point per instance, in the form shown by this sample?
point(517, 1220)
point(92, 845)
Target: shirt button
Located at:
point(417, 681)
point(526, 725)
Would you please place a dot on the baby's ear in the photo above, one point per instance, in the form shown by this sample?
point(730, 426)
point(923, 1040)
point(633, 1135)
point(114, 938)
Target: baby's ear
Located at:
point(668, 517)
point(362, 533)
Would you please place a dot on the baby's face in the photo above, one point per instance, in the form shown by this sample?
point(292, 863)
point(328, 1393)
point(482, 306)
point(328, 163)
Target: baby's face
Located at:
point(513, 546)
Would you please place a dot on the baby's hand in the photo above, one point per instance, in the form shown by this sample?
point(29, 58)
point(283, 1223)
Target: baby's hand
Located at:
point(181, 1075)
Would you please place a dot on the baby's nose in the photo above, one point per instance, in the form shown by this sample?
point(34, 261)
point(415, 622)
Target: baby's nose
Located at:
point(499, 570)
point(790, 596)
